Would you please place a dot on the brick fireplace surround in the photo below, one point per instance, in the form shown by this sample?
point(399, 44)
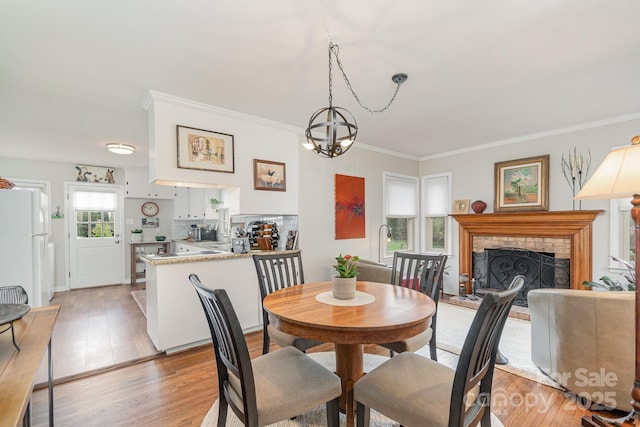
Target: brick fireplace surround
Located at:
point(566, 233)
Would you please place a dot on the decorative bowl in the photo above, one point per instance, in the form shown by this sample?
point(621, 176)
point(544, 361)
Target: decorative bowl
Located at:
point(160, 238)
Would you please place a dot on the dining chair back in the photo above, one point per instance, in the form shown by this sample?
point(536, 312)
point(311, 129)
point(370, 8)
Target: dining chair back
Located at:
point(13, 294)
point(467, 390)
point(277, 271)
point(423, 273)
point(273, 387)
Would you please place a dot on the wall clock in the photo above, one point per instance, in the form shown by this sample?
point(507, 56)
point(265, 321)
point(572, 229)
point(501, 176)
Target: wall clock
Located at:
point(150, 209)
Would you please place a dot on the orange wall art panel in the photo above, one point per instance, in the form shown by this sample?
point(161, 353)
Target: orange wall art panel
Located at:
point(349, 207)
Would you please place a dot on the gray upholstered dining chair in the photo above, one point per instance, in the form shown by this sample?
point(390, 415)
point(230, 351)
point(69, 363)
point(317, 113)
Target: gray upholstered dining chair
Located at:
point(276, 271)
point(414, 390)
point(273, 387)
point(423, 273)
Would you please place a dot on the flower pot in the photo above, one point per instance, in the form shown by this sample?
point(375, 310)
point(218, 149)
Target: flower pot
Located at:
point(343, 287)
point(136, 237)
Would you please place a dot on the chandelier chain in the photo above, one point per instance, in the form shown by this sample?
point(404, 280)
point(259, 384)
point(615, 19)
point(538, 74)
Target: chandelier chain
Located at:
point(331, 45)
point(334, 48)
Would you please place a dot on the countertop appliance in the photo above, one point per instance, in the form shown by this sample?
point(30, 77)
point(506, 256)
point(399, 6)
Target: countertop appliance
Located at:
point(24, 250)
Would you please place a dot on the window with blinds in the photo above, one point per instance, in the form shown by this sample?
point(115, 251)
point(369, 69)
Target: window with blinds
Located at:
point(401, 212)
point(436, 201)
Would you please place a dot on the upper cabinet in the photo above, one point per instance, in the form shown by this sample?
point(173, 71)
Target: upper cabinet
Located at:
point(189, 203)
point(137, 185)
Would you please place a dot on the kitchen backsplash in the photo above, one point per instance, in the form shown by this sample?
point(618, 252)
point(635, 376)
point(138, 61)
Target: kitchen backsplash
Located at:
point(180, 228)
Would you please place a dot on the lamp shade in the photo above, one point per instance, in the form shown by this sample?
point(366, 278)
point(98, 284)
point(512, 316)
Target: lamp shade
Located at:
point(617, 177)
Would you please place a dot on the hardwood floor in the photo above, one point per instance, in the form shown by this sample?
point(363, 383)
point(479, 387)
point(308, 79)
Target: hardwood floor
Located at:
point(97, 328)
point(178, 390)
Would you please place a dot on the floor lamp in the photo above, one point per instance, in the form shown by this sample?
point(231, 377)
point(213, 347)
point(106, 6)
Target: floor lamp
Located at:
point(389, 238)
point(618, 177)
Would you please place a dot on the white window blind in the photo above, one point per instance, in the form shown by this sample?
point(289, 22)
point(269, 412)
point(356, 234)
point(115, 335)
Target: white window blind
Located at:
point(436, 195)
point(94, 201)
point(401, 196)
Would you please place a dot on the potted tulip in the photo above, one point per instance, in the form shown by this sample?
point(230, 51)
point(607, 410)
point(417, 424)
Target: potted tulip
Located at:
point(344, 283)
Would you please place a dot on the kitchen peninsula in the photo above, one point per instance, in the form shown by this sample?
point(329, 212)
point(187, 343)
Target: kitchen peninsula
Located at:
point(175, 320)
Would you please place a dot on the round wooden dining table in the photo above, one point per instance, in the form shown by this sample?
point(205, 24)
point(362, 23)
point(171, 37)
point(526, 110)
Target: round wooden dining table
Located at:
point(380, 313)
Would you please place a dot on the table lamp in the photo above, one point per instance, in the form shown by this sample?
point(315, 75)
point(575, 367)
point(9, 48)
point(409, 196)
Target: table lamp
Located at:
point(618, 177)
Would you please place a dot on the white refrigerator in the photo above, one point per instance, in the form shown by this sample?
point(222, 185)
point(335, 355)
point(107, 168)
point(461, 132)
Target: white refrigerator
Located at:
point(23, 243)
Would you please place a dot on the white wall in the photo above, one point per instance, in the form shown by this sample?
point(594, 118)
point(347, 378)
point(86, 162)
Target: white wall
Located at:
point(254, 138)
point(310, 183)
point(57, 174)
point(473, 178)
point(316, 208)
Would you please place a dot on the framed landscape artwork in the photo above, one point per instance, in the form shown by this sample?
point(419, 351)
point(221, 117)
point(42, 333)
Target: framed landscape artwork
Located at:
point(522, 185)
point(349, 207)
point(268, 175)
point(204, 150)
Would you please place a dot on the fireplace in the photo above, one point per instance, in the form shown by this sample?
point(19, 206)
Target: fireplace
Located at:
point(572, 229)
point(496, 268)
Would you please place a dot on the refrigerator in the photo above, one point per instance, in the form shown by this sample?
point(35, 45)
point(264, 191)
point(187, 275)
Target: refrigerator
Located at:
point(24, 243)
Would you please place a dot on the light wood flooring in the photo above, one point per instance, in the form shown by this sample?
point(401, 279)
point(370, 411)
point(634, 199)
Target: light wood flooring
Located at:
point(178, 390)
point(97, 328)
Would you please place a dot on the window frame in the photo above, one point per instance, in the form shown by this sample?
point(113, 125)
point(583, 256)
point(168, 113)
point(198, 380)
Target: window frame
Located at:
point(413, 224)
point(424, 219)
point(618, 239)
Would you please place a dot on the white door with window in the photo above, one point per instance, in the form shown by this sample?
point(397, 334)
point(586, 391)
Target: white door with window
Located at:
point(94, 220)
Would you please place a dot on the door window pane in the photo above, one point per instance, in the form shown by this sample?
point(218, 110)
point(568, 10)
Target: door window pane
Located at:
point(101, 224)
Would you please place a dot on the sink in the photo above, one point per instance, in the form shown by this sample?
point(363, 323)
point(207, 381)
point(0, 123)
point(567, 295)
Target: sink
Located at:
point(185, 254)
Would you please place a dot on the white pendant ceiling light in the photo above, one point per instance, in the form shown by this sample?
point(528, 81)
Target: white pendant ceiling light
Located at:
point(118, 148)
point(334, 136)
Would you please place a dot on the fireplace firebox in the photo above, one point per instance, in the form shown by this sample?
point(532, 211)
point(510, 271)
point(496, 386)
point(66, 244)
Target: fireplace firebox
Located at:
point(496, 268)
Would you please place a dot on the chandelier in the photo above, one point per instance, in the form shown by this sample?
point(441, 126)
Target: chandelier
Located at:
point(333, 130)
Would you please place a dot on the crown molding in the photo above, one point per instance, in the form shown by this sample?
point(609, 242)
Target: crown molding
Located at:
point(568, 129)
point(155, 96)
point(385, 151)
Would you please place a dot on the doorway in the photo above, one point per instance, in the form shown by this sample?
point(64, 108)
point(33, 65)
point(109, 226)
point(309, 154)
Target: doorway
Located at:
point(94, 222)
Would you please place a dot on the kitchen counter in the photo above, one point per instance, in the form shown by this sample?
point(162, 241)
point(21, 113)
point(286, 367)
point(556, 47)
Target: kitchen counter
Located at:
point(205, 255)
point(175, 319)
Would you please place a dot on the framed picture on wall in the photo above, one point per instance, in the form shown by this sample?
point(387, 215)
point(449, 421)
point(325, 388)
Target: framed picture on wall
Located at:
point(349, 207)
point(461, 206)
point(522, 185)
point(204, 150)
point(268, 175)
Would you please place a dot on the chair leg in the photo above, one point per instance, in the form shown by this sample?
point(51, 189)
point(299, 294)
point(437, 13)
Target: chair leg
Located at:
point(13, 336)
point(392, 353)
point(333, 412)
point(362, 415)
point(266, 341)
point(222, 412)
point(433, 350)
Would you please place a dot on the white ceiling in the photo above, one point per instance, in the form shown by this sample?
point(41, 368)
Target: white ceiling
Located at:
point(74, 73)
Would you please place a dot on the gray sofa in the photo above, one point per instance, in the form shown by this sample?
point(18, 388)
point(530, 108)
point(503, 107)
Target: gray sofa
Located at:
point(371, 271)
point(584, 340)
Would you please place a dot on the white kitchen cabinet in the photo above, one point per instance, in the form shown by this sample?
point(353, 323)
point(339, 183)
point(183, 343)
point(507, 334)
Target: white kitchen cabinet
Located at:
point(137, 185)
point(189, 203)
